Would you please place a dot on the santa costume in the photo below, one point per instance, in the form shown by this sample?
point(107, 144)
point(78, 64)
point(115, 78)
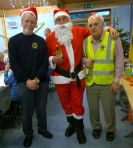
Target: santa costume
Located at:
point(67, 41)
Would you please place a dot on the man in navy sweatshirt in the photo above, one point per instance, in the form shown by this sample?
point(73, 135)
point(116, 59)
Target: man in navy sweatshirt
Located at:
point(29, 62)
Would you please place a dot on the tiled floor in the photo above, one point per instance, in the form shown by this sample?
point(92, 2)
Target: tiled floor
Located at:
point(57, 125)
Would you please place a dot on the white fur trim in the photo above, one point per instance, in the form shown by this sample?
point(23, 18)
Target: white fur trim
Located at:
point(53, 66)
point(58, 14)
point(28, 12)
point(64, 80)
point(69, 115)
point(70, 53)
point(77, 117)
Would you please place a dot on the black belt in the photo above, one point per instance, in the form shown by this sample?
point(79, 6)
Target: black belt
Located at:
point(68, 74)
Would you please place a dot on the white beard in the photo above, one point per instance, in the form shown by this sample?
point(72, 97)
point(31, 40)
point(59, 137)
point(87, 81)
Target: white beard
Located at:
point(63, 33)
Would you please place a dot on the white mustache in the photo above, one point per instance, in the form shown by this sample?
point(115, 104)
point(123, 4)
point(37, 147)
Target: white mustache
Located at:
point(69, 24)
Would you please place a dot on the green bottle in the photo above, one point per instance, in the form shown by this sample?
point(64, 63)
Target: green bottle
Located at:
point(58, 51)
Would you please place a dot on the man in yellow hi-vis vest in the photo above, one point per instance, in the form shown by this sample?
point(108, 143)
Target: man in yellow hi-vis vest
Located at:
point(104, 67)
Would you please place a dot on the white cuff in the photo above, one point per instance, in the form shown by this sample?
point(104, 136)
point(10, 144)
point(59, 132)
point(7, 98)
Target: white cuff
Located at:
point(53, 66)
point(77, 116)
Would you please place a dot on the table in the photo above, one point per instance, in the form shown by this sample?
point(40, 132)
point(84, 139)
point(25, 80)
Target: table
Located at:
point(4, 100)
point(129, 91)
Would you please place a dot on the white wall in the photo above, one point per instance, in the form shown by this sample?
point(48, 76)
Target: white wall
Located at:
point(47, 19)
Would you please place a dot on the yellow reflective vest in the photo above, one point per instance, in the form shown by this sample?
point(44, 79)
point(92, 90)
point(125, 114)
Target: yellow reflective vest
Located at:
point(102, 72)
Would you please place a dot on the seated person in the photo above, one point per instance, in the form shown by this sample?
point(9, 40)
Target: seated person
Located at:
point(10, 81)
point(47, 31)
point(2, 64)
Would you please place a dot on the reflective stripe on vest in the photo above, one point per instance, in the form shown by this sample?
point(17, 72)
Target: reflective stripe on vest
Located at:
point(103, 66)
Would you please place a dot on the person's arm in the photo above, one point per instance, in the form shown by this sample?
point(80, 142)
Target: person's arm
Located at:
point(42, 68)
point(113, 32)
point(44, 65)
point(8, 80)
point(119, 60)
point(85, 32)
point(50, 57)
point(119, 64)
point(53, 60)
point(14, 63)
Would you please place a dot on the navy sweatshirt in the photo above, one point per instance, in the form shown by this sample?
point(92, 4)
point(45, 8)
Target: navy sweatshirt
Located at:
point(28, 57)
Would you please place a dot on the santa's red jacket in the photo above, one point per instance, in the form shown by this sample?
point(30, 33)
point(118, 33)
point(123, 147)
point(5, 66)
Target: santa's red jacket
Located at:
point(79, 34)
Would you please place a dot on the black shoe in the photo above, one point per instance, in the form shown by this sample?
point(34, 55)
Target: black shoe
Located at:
point(45, 134)
point(96, 133)
point(28, 141)
point(110, 136)
point(69, 131)
point(81, 136)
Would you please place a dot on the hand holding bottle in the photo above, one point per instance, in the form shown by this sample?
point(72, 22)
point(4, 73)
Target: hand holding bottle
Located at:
point(58, 59)
point(58, 51)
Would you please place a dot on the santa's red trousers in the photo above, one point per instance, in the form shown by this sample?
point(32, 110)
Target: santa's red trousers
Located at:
point(71, 97)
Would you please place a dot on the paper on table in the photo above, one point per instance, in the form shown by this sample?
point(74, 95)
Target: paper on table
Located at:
point(2, 80)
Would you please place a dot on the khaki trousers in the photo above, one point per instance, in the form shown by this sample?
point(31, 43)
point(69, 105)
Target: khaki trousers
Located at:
point(103, 94)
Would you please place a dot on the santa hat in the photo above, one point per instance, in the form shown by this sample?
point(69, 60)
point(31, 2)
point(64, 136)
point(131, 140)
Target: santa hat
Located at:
point(61, 12)
point(31, 10)
point(93, 16)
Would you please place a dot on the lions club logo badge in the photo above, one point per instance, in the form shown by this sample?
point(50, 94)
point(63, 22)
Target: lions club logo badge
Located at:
point(34, 45)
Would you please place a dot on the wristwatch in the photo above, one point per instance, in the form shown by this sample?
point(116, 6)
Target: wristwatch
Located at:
point(37, 80)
